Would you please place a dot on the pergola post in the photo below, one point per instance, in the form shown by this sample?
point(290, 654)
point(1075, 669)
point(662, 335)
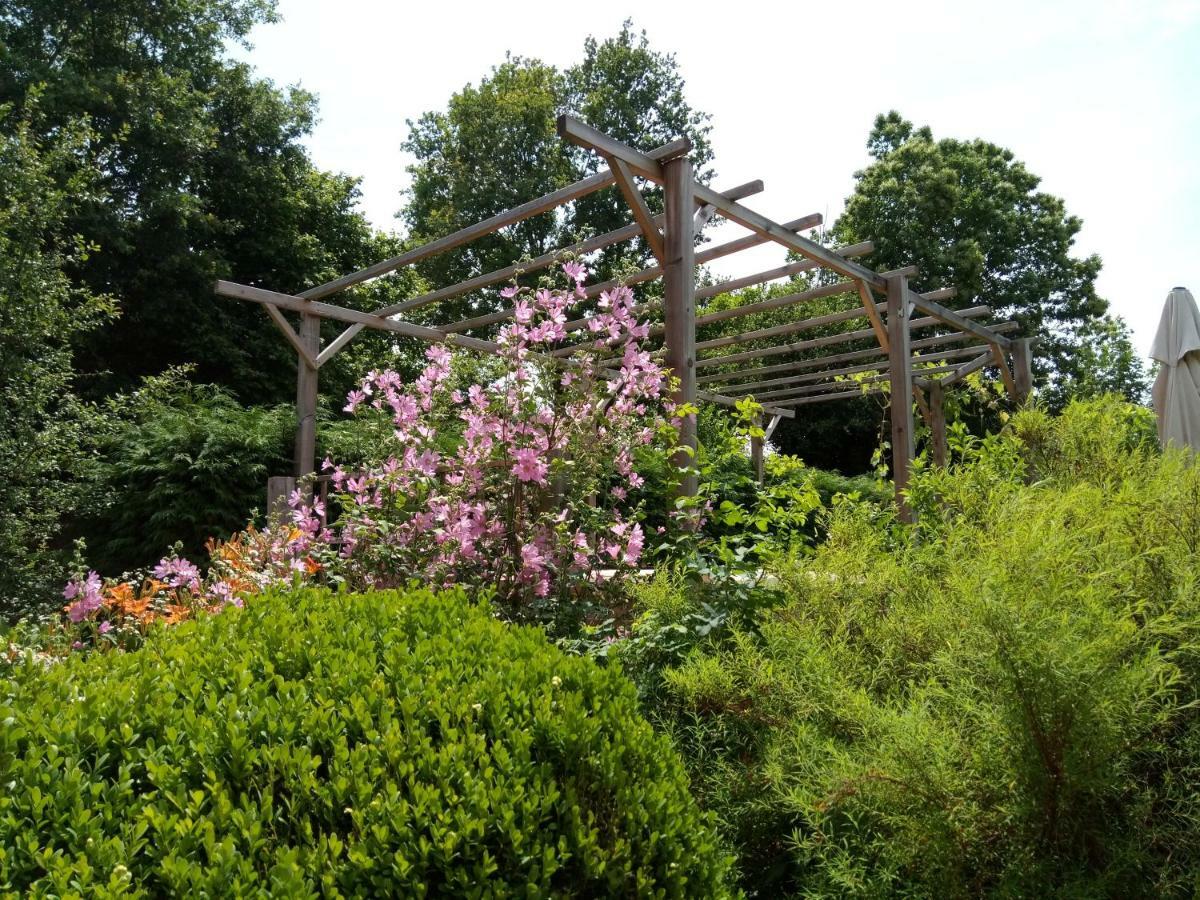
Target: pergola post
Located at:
point(306, 397)
point(756, 449)
point(937, 423)
point(901, 388)
point(679, 301)
point(1022, 357)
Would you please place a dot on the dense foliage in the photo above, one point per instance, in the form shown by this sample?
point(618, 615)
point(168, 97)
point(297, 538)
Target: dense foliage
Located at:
point(970, 214)
point(203, 176)
point(188, 463)
point(495, 146)
point(48, 435)
point(342, 745)
point(999, 701)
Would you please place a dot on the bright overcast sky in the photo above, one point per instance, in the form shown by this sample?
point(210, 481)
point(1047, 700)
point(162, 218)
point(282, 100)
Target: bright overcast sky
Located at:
point(1101, 99)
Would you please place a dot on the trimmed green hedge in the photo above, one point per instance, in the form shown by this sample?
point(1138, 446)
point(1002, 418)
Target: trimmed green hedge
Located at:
point(366, 745)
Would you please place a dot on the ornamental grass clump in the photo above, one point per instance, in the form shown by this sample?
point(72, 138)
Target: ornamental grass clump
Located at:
point(316, 744)
point(1001, 701)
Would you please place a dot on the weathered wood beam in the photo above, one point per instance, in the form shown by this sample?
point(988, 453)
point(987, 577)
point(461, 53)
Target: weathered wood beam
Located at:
point(637, 205)
point(301, 347)
point(1010, 383)
point(798, 390)
point(707, 255)
point(679, 304)
point(548, 259)
point(722, 400)
point(900, 380)
point(950, 317)
point(980, 362)
point(850, 394)
point(735, 390)
point(756, 449)
point(306, 396)
point(1022, 357)
point(650, 167)
point(937, 423)
point(705, 213)
point(871, 353)
point(868, 301)
point(814, 343)
point(527, 210)
point(748, 218)
point(774, 424)
point(341, 314)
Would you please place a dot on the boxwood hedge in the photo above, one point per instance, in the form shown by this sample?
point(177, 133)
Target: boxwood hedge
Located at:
point(390, 744)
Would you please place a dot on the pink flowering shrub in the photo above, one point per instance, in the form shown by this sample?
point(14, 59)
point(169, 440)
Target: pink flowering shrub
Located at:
point(525, 485)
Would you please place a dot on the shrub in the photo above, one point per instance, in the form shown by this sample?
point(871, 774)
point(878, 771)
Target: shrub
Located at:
point(1000, 701)
point(190, 464)
point(371, 745)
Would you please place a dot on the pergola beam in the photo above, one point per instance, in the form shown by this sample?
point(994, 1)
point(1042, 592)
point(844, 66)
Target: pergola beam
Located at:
point(527, 210)
point(735, 390)
point(936, 340)
point(547, 259)
point(803, 390)
point(812, 344)
point(637, 205)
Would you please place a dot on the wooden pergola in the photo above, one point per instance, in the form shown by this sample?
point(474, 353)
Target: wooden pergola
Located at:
point(891, 314)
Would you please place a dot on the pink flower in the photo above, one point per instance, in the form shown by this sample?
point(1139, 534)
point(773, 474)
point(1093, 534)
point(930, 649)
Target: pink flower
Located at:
point(105, 627)
point(575, 271)
point(177, 572)
point(88, 591)
point(528, 467)
point(353, 399)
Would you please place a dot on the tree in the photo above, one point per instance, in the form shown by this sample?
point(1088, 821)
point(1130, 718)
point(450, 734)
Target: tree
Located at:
point(969, 214)
point(203, 177)
point(47, 434)
point(495, 146)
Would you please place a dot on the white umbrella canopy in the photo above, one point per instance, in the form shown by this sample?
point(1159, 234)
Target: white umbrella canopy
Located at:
point(1177, 388)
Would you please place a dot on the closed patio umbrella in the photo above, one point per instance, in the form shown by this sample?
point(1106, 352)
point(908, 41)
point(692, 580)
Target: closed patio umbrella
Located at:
point(1177, 388)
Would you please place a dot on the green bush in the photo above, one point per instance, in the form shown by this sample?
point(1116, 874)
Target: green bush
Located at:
point(191, 463)
point(342, 745)
point(1001, 701)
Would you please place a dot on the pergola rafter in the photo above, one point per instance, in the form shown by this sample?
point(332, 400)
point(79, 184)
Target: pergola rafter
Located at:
point(890, 311)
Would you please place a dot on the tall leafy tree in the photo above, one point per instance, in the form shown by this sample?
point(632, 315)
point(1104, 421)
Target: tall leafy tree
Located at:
point(495, 146)
point(48, 435)
point(968, 213)
point(203, 176)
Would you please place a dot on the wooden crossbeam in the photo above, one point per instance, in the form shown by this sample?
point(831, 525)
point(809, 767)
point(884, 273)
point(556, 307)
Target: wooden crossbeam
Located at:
point(707, 255)
point(950, 317)
point(734, 390)
point(596, 243)
point(756, 222)
point(341, 314)
point(980, 362)
point(814, 343)
point(722, 400)
point(637, 205)
point(847, 356)
point(787, 392)
point(646, 165)
point(527, 210)
point(292, 338)
point(868, 301)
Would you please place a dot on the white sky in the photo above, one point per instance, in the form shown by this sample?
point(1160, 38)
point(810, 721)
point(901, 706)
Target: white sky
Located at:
point(1101, 99)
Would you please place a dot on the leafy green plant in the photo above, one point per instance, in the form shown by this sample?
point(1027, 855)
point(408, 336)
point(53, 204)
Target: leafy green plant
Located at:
point(388, 744)
point(189, 464)
point(1001, 700)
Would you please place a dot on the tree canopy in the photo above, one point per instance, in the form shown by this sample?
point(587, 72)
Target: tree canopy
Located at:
point(495, 146)
point(968, 213)
point(202, 175)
